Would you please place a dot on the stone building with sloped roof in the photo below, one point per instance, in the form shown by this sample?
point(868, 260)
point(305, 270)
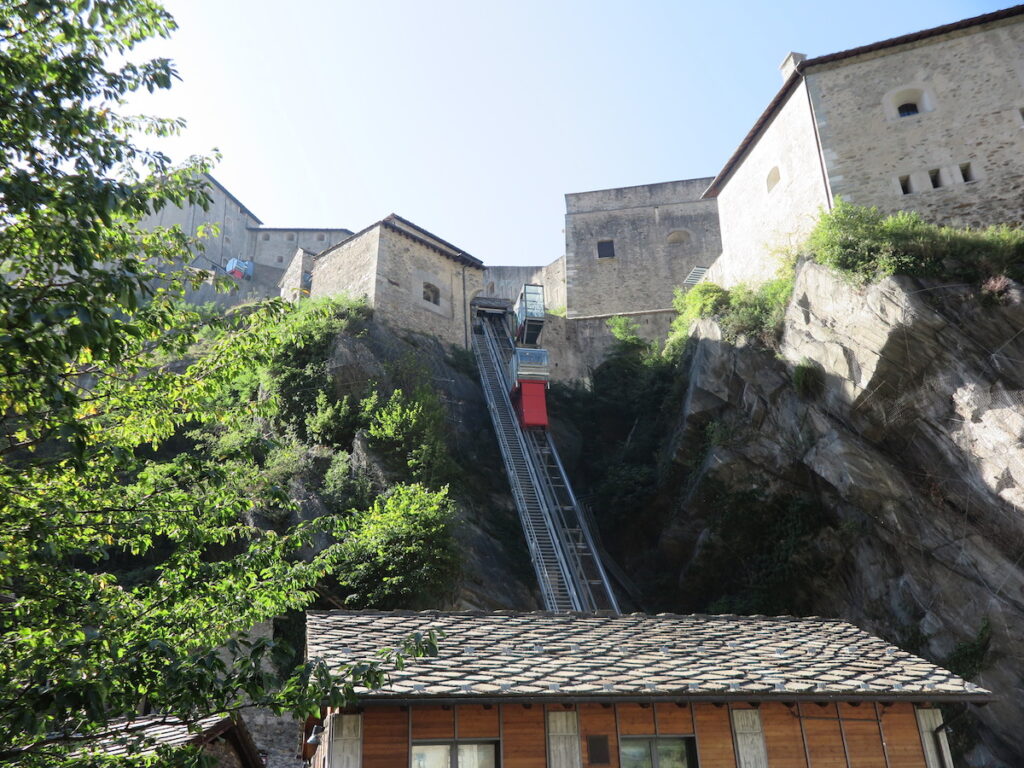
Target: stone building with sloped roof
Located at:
point(410, 277)
point(545, 690)
point(931, 122)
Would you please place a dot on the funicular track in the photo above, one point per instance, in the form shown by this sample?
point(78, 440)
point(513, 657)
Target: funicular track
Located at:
point(561, 547)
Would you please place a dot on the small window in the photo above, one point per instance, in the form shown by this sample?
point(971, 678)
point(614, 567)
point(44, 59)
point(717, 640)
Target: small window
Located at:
point(563, 740)
point(455, 755)
point(678, 237)
point(266, 236)
point(773, 178)
point(290, 236)
point(431, 293)
point(750, 747)
point(966, 173)
point(346, 741)
point(936, 178)
point(907, 109)
point(658, 753)
point(933, 737)
point(598, 752)
point(321, 237)
point(606, 249)
point(280, 259)
point(905, 185)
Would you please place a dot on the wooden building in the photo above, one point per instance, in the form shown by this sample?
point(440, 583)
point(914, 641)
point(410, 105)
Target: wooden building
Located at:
point(543, 690)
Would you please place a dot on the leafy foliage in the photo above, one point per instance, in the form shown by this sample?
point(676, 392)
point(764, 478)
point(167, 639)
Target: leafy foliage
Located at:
point(409, 429)
point(867, 245)
point(760, 556)
point(90, 310)
point(808, 378)
point(401, 551)
point(742, 311)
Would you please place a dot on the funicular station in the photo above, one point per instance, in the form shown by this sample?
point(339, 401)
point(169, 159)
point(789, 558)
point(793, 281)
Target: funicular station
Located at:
point(515, 376)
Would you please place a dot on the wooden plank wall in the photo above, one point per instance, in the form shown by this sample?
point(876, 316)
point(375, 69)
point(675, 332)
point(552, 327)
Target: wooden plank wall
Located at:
point(385, 737)
point(796, 736)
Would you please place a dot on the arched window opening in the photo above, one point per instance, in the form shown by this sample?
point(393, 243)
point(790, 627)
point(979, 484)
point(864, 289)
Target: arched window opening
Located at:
point(774, 176)
point(908, 102)
point(679, 237)
point(431, 293)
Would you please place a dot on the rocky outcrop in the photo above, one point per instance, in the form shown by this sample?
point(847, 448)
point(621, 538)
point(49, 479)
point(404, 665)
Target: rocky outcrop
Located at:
point(908, 426)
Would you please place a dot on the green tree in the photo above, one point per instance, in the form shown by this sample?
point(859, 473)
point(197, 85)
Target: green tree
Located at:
point(89, 307)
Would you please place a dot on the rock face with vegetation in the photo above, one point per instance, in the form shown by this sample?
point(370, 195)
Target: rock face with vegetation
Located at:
point(851, 448)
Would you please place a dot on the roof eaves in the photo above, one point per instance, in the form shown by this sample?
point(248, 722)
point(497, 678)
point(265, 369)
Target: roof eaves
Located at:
point(227, 192)
point(440, 245)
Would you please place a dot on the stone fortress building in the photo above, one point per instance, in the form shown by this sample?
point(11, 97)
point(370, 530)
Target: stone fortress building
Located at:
point(931, 121)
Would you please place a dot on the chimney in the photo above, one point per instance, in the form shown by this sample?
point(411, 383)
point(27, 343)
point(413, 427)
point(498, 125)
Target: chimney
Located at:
point(790, 63)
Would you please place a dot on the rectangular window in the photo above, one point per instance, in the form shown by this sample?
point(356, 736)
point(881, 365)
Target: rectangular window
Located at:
point(598, 752)
point(563, 740)
point(658, 753)
point(966, 173)
point(346, 741)
point(935, 177)
point(750, 747)
point(606, 249)
point(936, 747)
point(455, 755)
point(905, 185)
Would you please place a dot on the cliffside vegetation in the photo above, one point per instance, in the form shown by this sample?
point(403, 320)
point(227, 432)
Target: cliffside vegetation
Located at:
point(139, 442)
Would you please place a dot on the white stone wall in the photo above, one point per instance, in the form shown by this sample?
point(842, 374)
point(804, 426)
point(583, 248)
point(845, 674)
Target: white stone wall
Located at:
point(348, 269)
point(659, 231)
point(507, 282)
point(291, 285)
point(973, 92)
point(758, 222)
point(403, 266)
point(275, 246)
point(230, 218)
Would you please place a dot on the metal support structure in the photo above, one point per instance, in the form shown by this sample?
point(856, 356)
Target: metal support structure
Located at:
point(569, 570)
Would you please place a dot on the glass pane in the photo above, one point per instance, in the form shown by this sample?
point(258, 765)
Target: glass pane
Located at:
point(431, 756)
point(636, 753)
point(476, 756)
point(671, 753)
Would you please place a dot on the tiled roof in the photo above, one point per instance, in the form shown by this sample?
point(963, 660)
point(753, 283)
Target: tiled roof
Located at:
point(562, 656)
point(161, 730)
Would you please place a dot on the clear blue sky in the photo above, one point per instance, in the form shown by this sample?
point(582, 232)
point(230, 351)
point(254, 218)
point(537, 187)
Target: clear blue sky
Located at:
point(474, 118)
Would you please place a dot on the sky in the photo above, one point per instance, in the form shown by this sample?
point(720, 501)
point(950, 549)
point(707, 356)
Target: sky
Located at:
point(474, 119)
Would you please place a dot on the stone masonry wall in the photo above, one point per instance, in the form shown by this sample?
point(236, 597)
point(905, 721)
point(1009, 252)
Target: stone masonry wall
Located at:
point(348, 269)
point(659, 231)
point(276, 246)
point(507, 282)
point(578, 345)
point(972, 93)
point(403, 266)
point(291, 285)
point(757, 220)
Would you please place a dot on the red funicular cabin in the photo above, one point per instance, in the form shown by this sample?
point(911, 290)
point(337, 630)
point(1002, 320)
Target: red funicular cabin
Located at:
point(529, 372)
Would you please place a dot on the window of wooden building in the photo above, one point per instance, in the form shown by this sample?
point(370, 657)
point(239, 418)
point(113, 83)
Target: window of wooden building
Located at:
point(346, 741)
point(563, 740)
point(661, 752)
point(455, 755)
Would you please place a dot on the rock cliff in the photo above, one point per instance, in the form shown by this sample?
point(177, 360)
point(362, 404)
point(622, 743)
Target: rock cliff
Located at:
point(899, 409)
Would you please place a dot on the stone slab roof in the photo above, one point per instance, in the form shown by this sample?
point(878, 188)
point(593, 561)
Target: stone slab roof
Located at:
point(145, 734)
point(593, 656)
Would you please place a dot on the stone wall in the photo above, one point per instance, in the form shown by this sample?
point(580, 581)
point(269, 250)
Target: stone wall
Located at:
point(349, 268)
point(969, 87)
point(292, 288)
point(276, 246)
point(578, 345)
point(507, 282)
point(404, 266)
point(762, 213)
point(659, 232)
